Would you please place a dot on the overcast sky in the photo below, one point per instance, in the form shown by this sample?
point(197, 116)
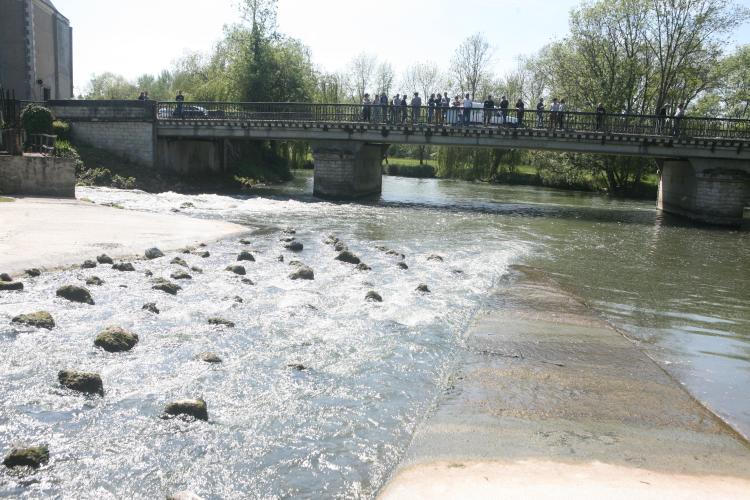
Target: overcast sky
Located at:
point(146, 36)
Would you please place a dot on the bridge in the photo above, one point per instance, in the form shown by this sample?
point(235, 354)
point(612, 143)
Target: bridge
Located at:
point(704, 162)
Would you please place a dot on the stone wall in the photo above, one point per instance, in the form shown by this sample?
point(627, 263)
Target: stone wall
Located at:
point(347, 169)
point(37, 175)
point(186, 156)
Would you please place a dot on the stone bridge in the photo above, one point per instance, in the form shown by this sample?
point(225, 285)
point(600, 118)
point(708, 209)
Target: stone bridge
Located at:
point(705, 162)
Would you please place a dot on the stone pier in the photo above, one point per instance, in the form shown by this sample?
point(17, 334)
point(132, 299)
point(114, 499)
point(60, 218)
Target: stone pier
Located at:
point(347, 169)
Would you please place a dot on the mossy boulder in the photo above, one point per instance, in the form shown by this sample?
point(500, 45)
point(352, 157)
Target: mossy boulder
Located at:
point(348, 257)
point(150, 307)
point(124, 267)
point(373, 296)
point(104, 259)
point(88, 264)
point(294, 246)
point(153, 253)
point(245, 255)
point(303, 273)
point(166, 286)
point(195, 408)
point(180, 275)
point(116, 339)
point(33, 272)
point(40, 319)
point(90, 383)
point(203, 255)
point(5, 277)
point(75, 294)
point(6, 286)
point(220, 322)
point(94, 281)
point(237, 269)
point(196, 269)
point(209, 357)
point(179, 261)
point(34, 456)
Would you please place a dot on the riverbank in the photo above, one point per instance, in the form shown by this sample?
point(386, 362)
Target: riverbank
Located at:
point(554, 403)
point(50, 233)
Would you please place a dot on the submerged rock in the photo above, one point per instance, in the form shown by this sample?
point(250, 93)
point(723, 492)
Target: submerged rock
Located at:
point(436, 258)
point(148, 273)
point(373, 296)
point(296, 366)
point(33, 272)
point(12, 285)
point(88, 264)
point(289, 230)
point(94, 281)
point(294, 246)
point(402, 265)
point(209, 357)
point(5, 277)
point(197, 269)
point(186, 250)
point(236, 269)
point(303, 273)
point(245, 255)
point(180, 275)
point(116, 339)
point(363, 267)
point(151, 307)
point(423, 288)
point(187, 204)
point(395, 254)
point(330, 240)
point(348, 257)
point(220, 322)
point(153, 253)
point(339, 246)
point(40, 319)
point(35, 457)
point(280, 258)
point(287, 239)
point(125, 267)
point(166, 286)
point(203, 255)
point(238, 299)
point(90, 383)
point(179, 261)
point(75, 294)
point(195, 408)
point(244, 241)
point(104, 259)
point(248, 281)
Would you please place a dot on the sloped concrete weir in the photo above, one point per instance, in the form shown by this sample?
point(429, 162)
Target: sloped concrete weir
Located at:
point(347, 169)
point(554, 403)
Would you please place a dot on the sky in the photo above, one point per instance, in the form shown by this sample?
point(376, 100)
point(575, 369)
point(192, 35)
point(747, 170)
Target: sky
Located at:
point(145, 36)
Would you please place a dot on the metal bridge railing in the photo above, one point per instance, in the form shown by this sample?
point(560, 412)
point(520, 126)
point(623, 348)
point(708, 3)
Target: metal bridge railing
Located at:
point(377, 115)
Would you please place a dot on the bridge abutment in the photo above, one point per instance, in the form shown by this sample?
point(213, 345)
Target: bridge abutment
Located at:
point(347, 169)
point(705, 190)
point(190, 156)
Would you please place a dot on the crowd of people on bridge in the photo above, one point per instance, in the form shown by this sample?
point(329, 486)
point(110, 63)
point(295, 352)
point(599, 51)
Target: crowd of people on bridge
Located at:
point(440, 109)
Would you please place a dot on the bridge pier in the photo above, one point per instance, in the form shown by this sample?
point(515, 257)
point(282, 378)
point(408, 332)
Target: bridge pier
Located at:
point(347, 169)
point(705, 190)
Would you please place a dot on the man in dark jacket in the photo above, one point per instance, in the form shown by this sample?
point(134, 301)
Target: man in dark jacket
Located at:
point(504, 109)
point(489, 106)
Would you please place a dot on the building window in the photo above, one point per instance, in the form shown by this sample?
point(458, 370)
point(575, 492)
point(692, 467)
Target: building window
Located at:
point(47, 94)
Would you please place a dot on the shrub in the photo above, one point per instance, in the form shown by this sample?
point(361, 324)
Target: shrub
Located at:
point(37, 119)
point(61, 129)
point(64, 149)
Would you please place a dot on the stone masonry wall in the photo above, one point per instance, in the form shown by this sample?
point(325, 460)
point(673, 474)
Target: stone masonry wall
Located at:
point(131, 140)
point(37, 175)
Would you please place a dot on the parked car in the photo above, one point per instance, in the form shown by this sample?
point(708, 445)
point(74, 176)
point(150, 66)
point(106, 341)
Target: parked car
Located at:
point(455, 116)
point(190, 111)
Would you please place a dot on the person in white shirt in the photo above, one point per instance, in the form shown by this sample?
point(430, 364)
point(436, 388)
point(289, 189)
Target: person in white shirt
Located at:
point(553, 113)
point(679, 114)
point(467, 109)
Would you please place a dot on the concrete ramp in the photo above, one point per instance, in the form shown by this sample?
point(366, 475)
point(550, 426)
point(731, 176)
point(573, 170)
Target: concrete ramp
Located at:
point(554, 403)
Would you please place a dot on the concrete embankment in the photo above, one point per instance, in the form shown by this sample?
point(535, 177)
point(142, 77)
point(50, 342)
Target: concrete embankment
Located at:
point(51, 233)
point(554, 403)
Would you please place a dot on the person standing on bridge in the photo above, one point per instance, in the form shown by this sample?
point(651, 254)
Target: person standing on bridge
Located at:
point(661, 122)
point(431, 108)
point(467, 109)
point(553, 113)
point(384, 107)
point(600, 112)
point(404, 109)
point(395, 103)
point(561, 115)
point(142, 97)
point(180, 99)
point(504, 110)
point(519, 113)
point(416, 108)
point(445, 103)
point(366, 108)
point(489, 109)
point(677, 121)
point(540, 113)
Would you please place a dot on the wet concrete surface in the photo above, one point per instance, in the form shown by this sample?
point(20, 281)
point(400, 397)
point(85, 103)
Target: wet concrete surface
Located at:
point(546, 386)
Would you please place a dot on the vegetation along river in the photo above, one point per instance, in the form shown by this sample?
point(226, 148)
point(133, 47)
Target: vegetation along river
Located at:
point(337, 428)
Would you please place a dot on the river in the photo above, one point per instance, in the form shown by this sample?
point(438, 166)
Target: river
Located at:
point(374, 370)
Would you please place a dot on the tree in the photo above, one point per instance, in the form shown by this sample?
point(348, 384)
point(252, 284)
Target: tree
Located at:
point(110, 86)
point(424, 78)
point(471, 64)
point(384, 78)
point(361, 72)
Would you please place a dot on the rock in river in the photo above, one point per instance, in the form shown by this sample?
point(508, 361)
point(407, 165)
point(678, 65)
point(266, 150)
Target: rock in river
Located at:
point(209, 357)
point(402, 265)
point(203, 255)
point(236, 269)
point(347, 256)
point(34, 456)
point(179, 261)
point(88, 264)
point(33, 272)
point(436, 258)
point(94, 281)
point(13, 285)
point(180, 275)
point(340, 246)
point(116, 339)
point(104, 259)
point(195, 408)
point(363, 267)
point(294, 246)
point(90, 383)
point(245, 255)
point(166, 286)
point(75, 294)
point(151, 307)
point(184, 495)
point(154, 253)
point(303, 273)
point(41, 319)
point(124, 267)
point(423, 288)
point(373, 296)
point(5, 277)
point(220, 322)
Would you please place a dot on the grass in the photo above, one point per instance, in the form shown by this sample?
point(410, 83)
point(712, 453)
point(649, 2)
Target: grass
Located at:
point(3, 199)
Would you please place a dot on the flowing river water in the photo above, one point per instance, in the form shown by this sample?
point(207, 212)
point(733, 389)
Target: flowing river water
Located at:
point(374, 370)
